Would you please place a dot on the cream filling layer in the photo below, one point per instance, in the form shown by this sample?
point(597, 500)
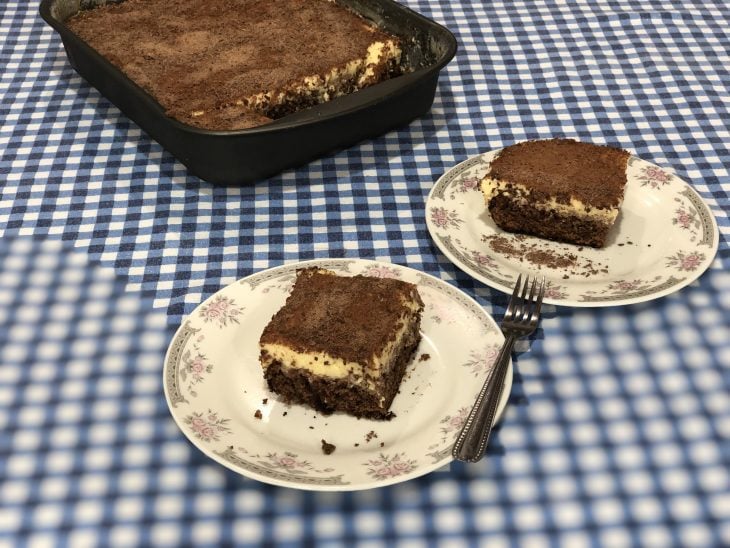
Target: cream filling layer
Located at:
point(577, 208)
point(360, 72)
point(323, 364)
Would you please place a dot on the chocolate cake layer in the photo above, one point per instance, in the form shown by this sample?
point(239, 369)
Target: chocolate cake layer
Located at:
point(513, 217)
point(557, 189)
point(342, 342)
point(232, 64)
point(327, 395)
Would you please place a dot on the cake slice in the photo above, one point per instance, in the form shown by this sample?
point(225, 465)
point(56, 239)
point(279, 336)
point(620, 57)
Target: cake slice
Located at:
point(342, 343)
point(557, 189)
point(222, 65)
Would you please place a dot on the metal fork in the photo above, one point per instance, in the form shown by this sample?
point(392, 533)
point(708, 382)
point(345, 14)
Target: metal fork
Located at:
point(523, 313)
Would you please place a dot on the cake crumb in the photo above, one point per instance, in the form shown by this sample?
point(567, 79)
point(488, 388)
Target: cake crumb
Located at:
point(265, 401)
point(284, 414)
point(424, 357)
point(258, 414)
point(382, 444)
point(311, 427)
point(370, 435)
point(328, 448)
point(357, 445)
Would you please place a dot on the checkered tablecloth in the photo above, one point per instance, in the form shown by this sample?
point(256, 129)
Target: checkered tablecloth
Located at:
point(618, 428)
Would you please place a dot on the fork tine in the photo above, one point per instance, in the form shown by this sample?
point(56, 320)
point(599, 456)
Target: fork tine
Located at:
point(535, 316)
point(524, 303)
point(513, 301)
point(524, 288)
point(528, 312)
point(541, 294)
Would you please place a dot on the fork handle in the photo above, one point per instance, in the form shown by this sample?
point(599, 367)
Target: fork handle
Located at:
point(472, 442)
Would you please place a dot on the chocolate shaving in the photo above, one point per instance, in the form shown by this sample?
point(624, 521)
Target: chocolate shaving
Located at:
point(544, 254)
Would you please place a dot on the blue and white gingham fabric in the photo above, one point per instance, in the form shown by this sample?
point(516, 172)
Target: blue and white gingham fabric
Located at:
point(618, 428)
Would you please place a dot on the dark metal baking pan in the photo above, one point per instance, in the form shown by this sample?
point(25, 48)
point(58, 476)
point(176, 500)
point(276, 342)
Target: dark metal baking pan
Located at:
point(249, 155)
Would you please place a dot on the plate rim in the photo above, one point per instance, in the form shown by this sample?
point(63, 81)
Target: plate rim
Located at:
point(377, 483)
point(456, 169)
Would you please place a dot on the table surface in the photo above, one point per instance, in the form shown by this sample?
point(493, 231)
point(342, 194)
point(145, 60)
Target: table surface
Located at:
point(617, 428)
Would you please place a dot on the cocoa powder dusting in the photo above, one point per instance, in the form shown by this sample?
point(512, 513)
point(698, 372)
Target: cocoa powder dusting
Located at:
point(349, 317)
point(203, 61)
point(563, 169)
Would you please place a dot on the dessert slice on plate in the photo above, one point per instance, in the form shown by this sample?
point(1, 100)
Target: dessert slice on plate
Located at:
point(342, 343)
point(557, 189)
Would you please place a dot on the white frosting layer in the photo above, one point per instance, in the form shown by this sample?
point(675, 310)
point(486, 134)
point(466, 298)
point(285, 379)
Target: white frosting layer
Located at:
point(520, 193)
point(339, 81)
point(323, 364)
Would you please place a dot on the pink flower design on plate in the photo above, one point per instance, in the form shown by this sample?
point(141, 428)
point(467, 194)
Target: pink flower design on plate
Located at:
point(686, 262)
point(467, 184)
point(221, 310)
point(482, 361)
point(654, 177)
point(194, 368)
point(207, 426)
point(454, 423)
point(288, 461)
point(442, 217)
point(553, 291)
point(483, 260)
point(381, 271)
point(625, 285)
point(197, 367)
point(390, 466)
point(684, 219)
point(442, 310)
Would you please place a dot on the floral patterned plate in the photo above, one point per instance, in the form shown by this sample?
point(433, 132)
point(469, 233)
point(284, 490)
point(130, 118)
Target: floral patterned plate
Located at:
point(663, 239)
point(218, 397)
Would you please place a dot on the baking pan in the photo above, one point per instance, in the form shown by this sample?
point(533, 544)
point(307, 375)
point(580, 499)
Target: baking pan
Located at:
point(249, 155)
